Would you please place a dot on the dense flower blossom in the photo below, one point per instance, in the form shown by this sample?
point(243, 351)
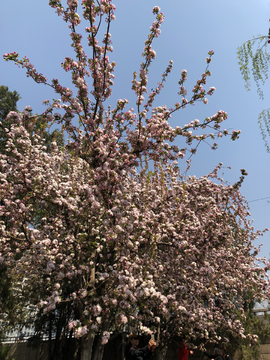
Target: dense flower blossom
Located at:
point(86, 228)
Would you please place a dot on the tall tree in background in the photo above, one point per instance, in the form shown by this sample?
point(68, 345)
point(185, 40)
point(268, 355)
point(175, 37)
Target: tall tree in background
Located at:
point(8, 101)
point(14, 311)
point(34, 124)
point(254, 60)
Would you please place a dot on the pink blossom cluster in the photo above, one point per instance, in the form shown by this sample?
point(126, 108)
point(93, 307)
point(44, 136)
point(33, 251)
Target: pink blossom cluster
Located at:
point(102, 74)
point(50, 303)
point(105, 337)
point(25, 63)
point(165, 259)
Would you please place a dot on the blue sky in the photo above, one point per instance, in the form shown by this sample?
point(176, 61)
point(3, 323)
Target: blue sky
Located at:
point(191, 28)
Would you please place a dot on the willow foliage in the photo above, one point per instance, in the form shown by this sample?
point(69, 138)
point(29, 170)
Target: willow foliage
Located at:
point(254, 60)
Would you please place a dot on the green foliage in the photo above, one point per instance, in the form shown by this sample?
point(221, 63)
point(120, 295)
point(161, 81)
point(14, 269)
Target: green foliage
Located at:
point(264, 125)
point(253, 58)
point(243, 346)
point(7, 298)
point(260, 327)
point(15, 311)
point(8, 101)
point(35, 124)
point(4, 350)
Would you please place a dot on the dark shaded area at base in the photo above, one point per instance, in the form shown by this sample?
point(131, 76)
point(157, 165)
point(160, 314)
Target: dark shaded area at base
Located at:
point(114, 350)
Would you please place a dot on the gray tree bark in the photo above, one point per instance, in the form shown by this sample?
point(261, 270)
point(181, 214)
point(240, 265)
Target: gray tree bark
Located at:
point(87, 348)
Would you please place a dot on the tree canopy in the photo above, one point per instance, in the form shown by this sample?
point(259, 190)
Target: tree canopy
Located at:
point(122, 237)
